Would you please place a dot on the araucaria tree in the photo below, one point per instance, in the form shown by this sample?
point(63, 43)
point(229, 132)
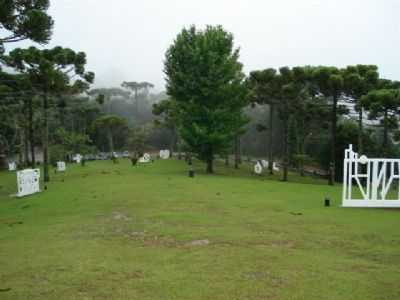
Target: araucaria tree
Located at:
point(205, 78)
point(51, 71)
point(330, 83)
point(21, 19)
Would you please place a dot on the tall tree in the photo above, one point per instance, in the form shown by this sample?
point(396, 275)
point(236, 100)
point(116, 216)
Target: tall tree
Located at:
point(51, 72)
point(358, 81)
point(138, 88)
point(205, 78)
point(167, 110)
point(329, 81)
point(111, 124)
point(263, 89)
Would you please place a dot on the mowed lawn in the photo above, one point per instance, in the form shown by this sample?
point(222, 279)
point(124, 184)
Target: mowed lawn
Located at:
point(107, 231)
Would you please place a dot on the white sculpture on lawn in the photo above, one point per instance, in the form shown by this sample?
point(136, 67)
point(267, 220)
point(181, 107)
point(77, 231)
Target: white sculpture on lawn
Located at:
point(12, 166)
point(265, 165)
point(258, 168)
point(77, 158)
point(61, 167)
point(145, 158)
point(28, 182)
point(164, 154)
point(372, 178)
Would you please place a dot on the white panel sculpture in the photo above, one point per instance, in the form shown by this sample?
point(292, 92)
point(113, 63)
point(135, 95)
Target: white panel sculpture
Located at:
point(12, 166)
point(61, 166)
point(164, 154)
point(145, 158)
point(28, 182)
point(258, 169)
point(371, 179)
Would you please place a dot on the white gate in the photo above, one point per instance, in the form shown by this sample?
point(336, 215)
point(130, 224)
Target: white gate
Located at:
point(370, 182)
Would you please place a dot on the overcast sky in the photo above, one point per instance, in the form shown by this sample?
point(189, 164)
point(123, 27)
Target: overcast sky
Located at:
point(125, 40)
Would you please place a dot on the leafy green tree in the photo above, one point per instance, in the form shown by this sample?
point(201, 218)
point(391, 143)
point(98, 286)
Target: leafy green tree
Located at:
point(384, 104)
point(330, 83)
point(22, 19)
point(111, 124)
point(52, 72)
point(358, 81)
point(206, 80)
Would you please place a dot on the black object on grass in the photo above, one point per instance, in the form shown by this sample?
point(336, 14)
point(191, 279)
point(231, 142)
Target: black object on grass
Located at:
point(327, 202)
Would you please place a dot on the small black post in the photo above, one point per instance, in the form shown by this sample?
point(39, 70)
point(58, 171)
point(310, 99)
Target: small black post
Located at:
point(327, 202)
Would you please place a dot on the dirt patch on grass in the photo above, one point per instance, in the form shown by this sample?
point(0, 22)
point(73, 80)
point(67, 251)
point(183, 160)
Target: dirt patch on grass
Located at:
point(120, 216)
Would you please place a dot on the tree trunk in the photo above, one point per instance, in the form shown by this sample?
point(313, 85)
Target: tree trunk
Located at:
point(285, 149)
point(210, 166)
point(136, 102)
point(271, 136)
point(26, 147)
point(237, 151)
point(360, 131)
point(332, 163)
point(110, 140)
point(31, 134)
point(46, 175)
point(385, 133)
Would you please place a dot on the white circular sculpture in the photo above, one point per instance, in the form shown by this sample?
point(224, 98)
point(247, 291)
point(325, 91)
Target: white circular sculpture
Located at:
point(164, 154)
point(258, 168)
point(145, 158)
point(12, 166)
point(61, 167)
point(363, 159)
point(28, 182)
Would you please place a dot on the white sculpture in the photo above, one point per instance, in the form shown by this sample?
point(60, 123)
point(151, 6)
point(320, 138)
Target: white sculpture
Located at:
point(77, 158)
point(145, 158)
point(164, 154)
point(28, 182)
point(264, 164)
point(12, 166)
point(372, 179)
point(258, 169)
point(61, 167)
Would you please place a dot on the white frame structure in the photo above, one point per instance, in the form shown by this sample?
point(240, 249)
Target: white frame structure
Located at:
point(373, 177)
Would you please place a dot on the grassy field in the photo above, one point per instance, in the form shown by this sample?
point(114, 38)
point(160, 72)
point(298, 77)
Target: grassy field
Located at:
point(109, 231)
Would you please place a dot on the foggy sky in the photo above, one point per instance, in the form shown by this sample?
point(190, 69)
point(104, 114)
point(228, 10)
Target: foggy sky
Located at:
point(125, 40)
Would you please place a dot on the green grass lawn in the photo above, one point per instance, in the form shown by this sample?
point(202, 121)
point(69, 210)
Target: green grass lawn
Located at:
point(109, 231)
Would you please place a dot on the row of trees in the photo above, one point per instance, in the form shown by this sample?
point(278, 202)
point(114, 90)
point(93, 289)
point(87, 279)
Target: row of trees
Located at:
point(38, 74)
point(209, 94)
